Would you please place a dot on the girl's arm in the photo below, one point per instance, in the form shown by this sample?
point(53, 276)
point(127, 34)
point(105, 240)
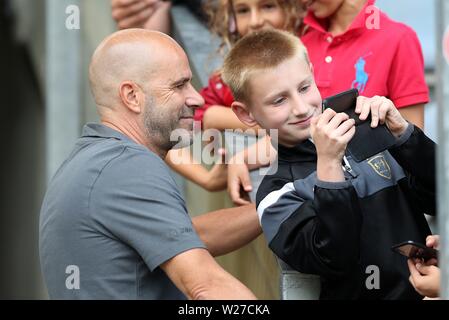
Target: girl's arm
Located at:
point(182, 162)
point(222, 118)
point(414, 114)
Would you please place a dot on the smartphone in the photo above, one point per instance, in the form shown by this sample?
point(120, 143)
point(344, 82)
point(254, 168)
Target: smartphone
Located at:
point(366, 141)
point(344, 102)
point(415, 250)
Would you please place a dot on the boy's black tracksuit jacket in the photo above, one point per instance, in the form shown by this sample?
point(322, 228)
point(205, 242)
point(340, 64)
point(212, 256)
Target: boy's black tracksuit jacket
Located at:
point(344, 231)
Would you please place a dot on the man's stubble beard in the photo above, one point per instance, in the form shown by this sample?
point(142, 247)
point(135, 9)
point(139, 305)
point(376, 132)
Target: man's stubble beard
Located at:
point(159, 130)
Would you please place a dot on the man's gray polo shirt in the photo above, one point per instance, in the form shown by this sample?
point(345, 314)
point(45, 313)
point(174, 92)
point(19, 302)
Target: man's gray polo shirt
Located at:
point(112, 214)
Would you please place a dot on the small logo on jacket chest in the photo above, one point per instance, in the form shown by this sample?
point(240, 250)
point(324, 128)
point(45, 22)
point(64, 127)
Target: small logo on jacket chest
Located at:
point(380, 166)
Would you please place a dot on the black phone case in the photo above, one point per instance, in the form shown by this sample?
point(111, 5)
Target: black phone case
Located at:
point(418, 250)
point(366, 141)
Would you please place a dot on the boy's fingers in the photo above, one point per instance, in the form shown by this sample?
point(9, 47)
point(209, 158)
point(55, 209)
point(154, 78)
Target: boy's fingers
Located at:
point(337, 120)
point(359, 104)
point(344, 127)
point(375, 106)
point(348, 135)
point(325, 117)
point(383, 110)
point(365, 109)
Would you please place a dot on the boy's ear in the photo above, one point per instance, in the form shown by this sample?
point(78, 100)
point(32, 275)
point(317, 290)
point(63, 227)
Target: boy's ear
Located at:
point(311, 67)
point(241, 111)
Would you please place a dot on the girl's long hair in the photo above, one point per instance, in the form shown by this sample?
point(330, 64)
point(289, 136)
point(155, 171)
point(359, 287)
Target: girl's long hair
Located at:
point(222, 20)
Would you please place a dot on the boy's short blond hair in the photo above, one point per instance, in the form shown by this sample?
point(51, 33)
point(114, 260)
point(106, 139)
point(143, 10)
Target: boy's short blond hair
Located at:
point(255, 52)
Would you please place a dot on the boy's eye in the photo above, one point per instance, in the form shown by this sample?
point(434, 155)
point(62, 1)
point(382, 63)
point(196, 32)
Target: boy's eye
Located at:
point(278, 100)
point(304, 89)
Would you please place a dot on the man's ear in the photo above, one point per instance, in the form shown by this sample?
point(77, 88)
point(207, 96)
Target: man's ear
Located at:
point(241, 111)
point(132, 96)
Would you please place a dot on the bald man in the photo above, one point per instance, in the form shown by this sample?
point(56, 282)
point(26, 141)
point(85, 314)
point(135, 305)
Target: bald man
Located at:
point(113, 223)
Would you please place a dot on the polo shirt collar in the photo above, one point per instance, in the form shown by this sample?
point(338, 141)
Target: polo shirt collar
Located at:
point(322, 24)
point(101, 131)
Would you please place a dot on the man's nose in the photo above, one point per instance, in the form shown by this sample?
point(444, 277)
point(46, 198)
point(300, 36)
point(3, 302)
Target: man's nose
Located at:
point(194, 99)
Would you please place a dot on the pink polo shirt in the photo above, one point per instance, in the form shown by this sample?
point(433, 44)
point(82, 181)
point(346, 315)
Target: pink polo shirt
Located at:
point(387, 61)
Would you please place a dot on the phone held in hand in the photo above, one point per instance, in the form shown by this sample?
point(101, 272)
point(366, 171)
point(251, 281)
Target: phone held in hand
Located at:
point(415, 250)
point(366, 141)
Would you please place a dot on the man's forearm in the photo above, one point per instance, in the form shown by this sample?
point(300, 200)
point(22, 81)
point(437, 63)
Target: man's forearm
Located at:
point(226, 230)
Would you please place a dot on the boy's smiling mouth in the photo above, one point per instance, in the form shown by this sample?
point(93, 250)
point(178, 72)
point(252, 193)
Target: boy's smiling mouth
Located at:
point(304, 121)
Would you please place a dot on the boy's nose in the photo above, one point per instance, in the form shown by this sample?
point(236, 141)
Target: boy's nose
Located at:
point(300, 107)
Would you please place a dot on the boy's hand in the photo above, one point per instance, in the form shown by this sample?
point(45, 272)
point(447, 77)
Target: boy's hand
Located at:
point(331, 133)
point(382, 111)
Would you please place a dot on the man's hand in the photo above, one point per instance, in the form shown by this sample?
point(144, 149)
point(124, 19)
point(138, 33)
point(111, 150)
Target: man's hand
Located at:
point(331, 133)
point(148, 14)
point(239, 182)
point(382, 111)
point(425, 279)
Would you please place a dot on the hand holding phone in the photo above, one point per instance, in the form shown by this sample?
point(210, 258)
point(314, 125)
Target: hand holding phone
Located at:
point(366, 141)
point(414, 250)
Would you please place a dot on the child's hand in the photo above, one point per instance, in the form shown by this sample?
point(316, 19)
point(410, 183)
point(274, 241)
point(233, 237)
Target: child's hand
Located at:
point(331, 133)
point(382, 111)
point(139, 13)
point(433, 241)
point(425, 279)
point(218, 175)
point(239, 183)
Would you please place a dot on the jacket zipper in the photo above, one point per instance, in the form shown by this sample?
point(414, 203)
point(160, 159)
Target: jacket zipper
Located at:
point(347, 167)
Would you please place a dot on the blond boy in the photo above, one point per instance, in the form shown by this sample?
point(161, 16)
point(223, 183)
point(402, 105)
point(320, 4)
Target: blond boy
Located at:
point(322, 212)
